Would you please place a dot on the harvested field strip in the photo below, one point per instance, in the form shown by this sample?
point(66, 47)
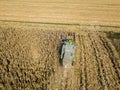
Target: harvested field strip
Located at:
point(73, 11)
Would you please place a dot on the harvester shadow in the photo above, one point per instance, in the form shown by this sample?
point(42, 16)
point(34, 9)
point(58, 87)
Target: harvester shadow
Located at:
point(60, 59)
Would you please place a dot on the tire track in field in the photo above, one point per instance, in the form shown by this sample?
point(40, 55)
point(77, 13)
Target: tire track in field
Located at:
point(106, 70)
point(105, 60)
point(99, 78)
point(77, 66)
point(106, 85)
point(102, 60)
point(92, 83)
point(111, 60)
point(111, 53)
point(83, 63)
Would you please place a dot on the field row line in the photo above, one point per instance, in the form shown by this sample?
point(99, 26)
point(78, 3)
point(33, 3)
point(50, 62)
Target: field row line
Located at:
point(52, 23)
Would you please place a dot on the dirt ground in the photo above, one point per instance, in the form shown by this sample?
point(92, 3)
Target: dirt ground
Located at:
point(29, 60)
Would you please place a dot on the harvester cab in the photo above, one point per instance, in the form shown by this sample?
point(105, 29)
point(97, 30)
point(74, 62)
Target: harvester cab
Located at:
point(67, 52)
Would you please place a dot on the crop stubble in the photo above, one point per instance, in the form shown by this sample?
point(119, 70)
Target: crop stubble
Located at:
point(101, 12)
point(29, 59)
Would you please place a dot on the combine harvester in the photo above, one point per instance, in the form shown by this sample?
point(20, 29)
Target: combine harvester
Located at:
point(67, 54)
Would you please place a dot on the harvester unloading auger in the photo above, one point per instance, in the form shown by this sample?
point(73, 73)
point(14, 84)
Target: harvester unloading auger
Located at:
point(67, 52)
